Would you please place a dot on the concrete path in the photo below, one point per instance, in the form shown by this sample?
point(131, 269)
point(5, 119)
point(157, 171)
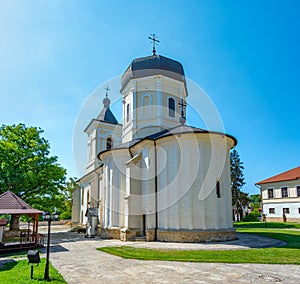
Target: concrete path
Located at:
point(78, 261)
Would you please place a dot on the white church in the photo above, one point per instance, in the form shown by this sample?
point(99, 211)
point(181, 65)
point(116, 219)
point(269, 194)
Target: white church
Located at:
point(154, 177)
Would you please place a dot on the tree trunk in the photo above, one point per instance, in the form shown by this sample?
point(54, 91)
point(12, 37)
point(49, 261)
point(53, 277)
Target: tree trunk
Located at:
point(14, 223)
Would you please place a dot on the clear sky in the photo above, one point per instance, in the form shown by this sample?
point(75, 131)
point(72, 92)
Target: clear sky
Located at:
point(244, 54)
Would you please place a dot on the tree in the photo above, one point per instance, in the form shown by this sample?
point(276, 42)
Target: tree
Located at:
point(28, 169)
point(239, 198)
point(68, 190)
point(255, 200)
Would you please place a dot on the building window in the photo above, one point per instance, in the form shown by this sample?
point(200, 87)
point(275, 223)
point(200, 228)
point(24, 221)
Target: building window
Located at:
point(298, 191)
point(127, 112)
point(284, 192)
point(299, 210)
point(286, 210)
point(171, 105)
point(218, 192)
point(270, 193)
point(271, 210)
point(109, 143)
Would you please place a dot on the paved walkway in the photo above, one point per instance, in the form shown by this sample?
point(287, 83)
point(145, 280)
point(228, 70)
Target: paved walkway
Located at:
point(78, 261)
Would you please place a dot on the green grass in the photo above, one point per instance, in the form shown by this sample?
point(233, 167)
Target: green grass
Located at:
point(279, 225)
point(287, 254)
point(292, 238)
point(19, 272)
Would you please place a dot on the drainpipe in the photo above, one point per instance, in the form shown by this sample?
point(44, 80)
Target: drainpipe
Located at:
point(155, 188)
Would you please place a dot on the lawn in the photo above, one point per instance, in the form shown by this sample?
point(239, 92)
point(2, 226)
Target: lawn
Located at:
point(287, 254)
point(19, 272)
point(277, 225)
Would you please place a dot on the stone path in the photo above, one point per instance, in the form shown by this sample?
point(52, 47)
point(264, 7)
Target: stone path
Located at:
point(78, 261)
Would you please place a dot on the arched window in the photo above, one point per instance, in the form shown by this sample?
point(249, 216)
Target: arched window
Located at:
point(218, 192)
point(88, 198)
point(146, 105)
point(82, 196)
point(109, 143)
point(127, 112)
point(171, 105)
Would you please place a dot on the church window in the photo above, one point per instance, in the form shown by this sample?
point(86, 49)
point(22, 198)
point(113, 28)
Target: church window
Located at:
point(270, 193)
point(284, 192)
point(146, 105)
point(218, 192)
point(109, 143)
point(82, 196)
point(127, 112)
point(171, 105)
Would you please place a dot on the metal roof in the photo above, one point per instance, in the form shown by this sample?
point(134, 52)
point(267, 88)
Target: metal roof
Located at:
point(153, 65)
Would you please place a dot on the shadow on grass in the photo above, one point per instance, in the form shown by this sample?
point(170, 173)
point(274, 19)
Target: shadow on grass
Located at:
point(291, 238)
point(7, 264)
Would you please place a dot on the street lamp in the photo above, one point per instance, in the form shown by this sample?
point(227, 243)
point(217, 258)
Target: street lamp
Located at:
point(48, 217)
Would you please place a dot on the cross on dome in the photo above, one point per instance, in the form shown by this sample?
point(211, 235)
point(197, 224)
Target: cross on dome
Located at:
point(182, 105)
point(106, 100)
point(107, 89)
point(155, 41)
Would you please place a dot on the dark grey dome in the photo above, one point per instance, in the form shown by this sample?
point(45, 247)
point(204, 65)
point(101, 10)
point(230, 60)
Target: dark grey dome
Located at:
point(153, 65)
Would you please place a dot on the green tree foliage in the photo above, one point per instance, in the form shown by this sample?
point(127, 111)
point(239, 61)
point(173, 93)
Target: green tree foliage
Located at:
point(255, 204)
point(28, 169)
point(68, 190)
point(239, 198)
point(255, 200)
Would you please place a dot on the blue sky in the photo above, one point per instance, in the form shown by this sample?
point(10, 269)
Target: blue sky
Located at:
point(244, 54)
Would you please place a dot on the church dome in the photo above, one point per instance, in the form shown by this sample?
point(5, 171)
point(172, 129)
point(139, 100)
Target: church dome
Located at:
point(153, 65)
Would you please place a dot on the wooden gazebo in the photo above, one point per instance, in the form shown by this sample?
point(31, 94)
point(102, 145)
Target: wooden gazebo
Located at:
point(11, 204)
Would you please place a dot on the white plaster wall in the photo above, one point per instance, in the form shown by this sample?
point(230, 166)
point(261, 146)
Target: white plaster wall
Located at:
point(293, 206)
point(197, 205)
point(292, 201)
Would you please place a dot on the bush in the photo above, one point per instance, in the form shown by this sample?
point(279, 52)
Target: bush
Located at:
point(252, 216)
point(65, 216)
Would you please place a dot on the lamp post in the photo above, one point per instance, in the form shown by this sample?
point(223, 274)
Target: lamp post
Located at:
point(48, 217)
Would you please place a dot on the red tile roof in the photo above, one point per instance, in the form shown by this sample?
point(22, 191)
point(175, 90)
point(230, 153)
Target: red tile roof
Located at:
point(10, 203)
point(292, 174)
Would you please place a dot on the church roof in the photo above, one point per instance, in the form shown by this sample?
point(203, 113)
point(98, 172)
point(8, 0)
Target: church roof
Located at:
point(292, 174)
point(106, 114)
point(185, 129)
point(181, 129)
point(10, 203)
point(152, 65)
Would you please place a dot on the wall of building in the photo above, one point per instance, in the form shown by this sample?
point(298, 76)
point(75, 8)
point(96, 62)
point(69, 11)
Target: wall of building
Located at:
point(274, 207)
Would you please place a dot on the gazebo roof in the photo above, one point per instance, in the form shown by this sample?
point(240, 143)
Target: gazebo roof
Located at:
point(10, 203)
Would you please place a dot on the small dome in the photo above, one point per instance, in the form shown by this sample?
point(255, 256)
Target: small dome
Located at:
point(106, 102)
point(153, 65)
